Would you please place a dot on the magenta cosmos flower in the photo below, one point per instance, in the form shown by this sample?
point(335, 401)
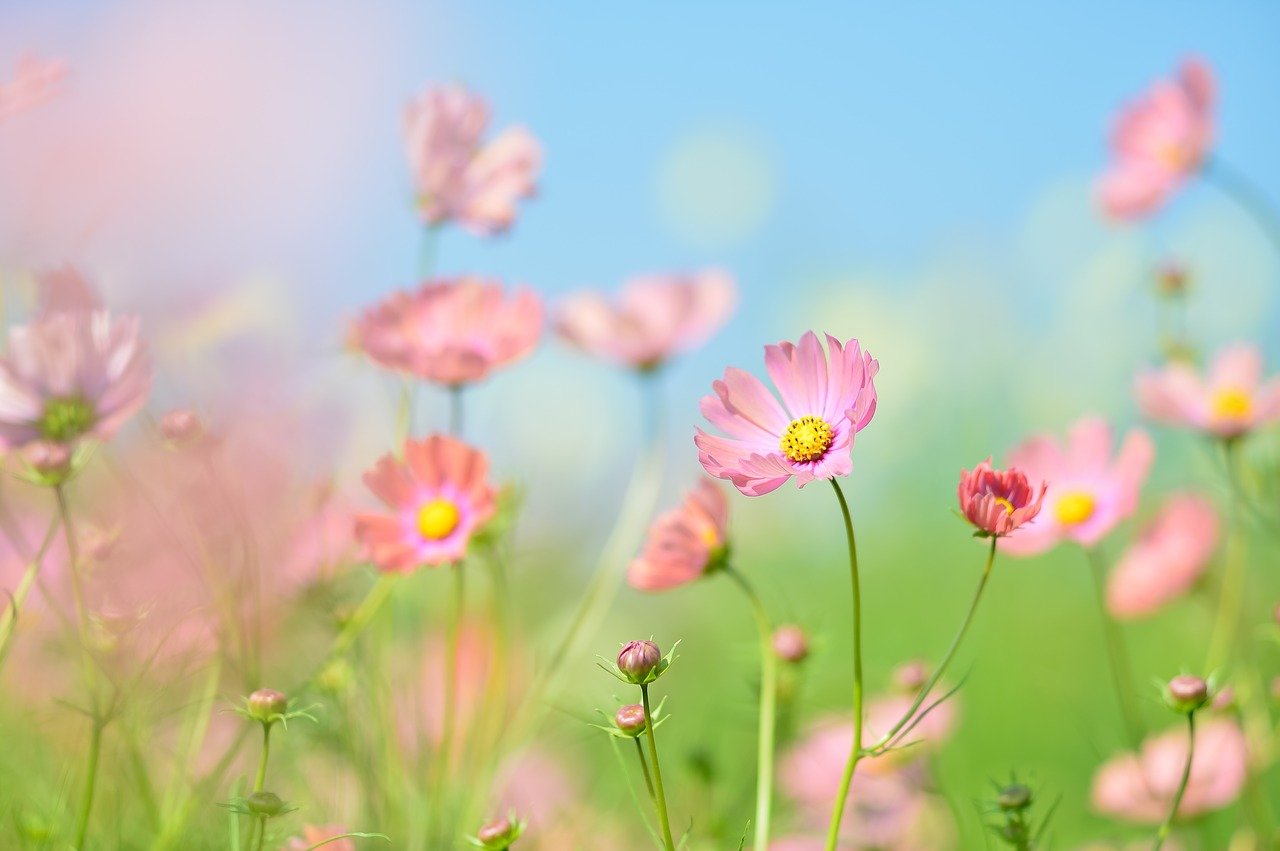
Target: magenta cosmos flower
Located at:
point(1140, 787)
point(652, 318)
point(827, 397)
point(458, 177)
point(71, 376)
point(438, 496)
point(1158, 141)
point(1089, 491)
point(34, 81)
point(685, 542)
point(997, 501)
point(1231, 400)
point(452, 331)
point(1170, 554)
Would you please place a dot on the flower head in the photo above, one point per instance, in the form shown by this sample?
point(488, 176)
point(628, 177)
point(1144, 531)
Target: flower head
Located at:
point(1229, 401)
point(639, 660)
point(1170, 554)
point(653, 318)
point(684, 543)
point(1186, 693)
point(997, 501)
point(452, 331)
point(439, 495)
point(827, 397)
point(630, 719)
point(457, 176)
point(1159, 140)
point(1089, 491)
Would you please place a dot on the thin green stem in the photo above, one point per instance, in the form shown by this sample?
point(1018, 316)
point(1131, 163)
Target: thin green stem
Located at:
point(262, 833)
point(1121, 671)
point(1163, 832)
point(855, 751)
point(261, 779)
point(644, 768)
point(90, 782)
point(929, 686)
point(1243, 191)
point(768, 711)
point(9, 622)
point(451, 669)
point(660, 797)
point(359, 620)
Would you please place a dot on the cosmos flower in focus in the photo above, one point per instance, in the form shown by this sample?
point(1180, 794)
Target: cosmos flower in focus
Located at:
point(653, 318)
point(438, 496)
point(1089, 490)
point(997, 501)
point(1170, 554)
point(1159, 140)
point(827, 397)
point(451, 331)
point(459, 177)
point(685, 542)
point(34, 82)
point(1229, 401)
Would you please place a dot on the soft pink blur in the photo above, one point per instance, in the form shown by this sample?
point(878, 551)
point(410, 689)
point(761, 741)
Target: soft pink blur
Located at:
point(684, 541)
point(1169, 555)
point(997, 502)
point(1228, 401)
point(34, 81)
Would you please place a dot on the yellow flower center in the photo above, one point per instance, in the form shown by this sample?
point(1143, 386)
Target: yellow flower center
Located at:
point(437, 519)
point(806, 439)
point(1074, 508)
point(1230, 404)
point(1008, 506)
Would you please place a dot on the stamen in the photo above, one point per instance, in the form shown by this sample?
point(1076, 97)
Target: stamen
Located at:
point(437, 519)
point(806, 439)
point(1075, 508)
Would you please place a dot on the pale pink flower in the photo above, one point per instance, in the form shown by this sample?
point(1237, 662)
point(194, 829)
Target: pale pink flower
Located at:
point(998, 501)
point(652, 318)
point(34, 82)
point(1159, 140)
point(1230, 400)
point(827, 397)
point(70, 376)
point(439, 496)
point(456, 175)
point(1170, 554)
point(313, 834)
point(684, 542)
point(421, 710)
point(1140, 788)
point(451, 331)
point(1089, 490)
point(65, 290)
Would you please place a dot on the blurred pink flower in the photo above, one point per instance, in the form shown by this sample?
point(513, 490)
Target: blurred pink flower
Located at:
point(439, 496)
point(34, 82)
point(653, 318)
point(1170, 554)
point(1140, 788)
point(997, 501)
point(684, 542)
point(323, 542)
point(452, 331)
point(420, 711)
point(312, 834)
point(1158, 141)
point(65, 290)
point(1089, 491)
point(69, 376)
point(1231, 400)
point(828, 398)
point(458, 177)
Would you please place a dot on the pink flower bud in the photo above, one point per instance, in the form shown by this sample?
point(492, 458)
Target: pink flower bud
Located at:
point(499, 834)
point(1186, 693)
point(266, 704)
point(47, 456)
point(997, 501)
point(181, 426)
point(639, 659)
point(911, 676)
point(790, 643)
point(630, 719)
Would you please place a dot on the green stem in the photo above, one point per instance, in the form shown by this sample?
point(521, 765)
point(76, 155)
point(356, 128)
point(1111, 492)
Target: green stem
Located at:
point(929, 686)
point(1121, 671)
point(1163, 833)
point(9, 622)
point(768, 712)
point(644, 768)
point(660, 795)
point(855, 752)
point(262, 833)
point(358, 621)
point(90, 782)
point(451, 670)
point(261, 780)
point(1242, 190)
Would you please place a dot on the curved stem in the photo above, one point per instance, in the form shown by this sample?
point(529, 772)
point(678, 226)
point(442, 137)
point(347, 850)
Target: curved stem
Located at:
point(1163, 833)
point(1121, 671)
point(855, 752)
point(768, 712)
point(1243, 191)
point(661, 796)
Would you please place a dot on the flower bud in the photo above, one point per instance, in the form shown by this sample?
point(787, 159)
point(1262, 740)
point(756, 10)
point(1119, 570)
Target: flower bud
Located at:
point(266, 705)
point(1014, 798)
point(630, 719)
point(181, 427)
point(911, 676)
point(790, 643)
point(265, 804)
point(1224, 700)
point(47, 456)
point(1172, 281)
point(638, 660)
point(1186, 693)
point(499, 834)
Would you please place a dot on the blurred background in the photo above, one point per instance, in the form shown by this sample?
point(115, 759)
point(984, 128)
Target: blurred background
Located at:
point(919, 178)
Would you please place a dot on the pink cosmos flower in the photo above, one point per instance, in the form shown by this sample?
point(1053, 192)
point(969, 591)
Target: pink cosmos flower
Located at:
point(1140, 788)
point(452, 331)
point(71, 376)
point(313, 834)
point(827, 397)
point(439, 495)
point(1230, 401)
point(458, 177)
point(1168, 557)
point(684, 542)
point(1089, 491)
point(653, 318)
point(1159, 141)
point(997, 501)
point(65, 290)
point(34, 82)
